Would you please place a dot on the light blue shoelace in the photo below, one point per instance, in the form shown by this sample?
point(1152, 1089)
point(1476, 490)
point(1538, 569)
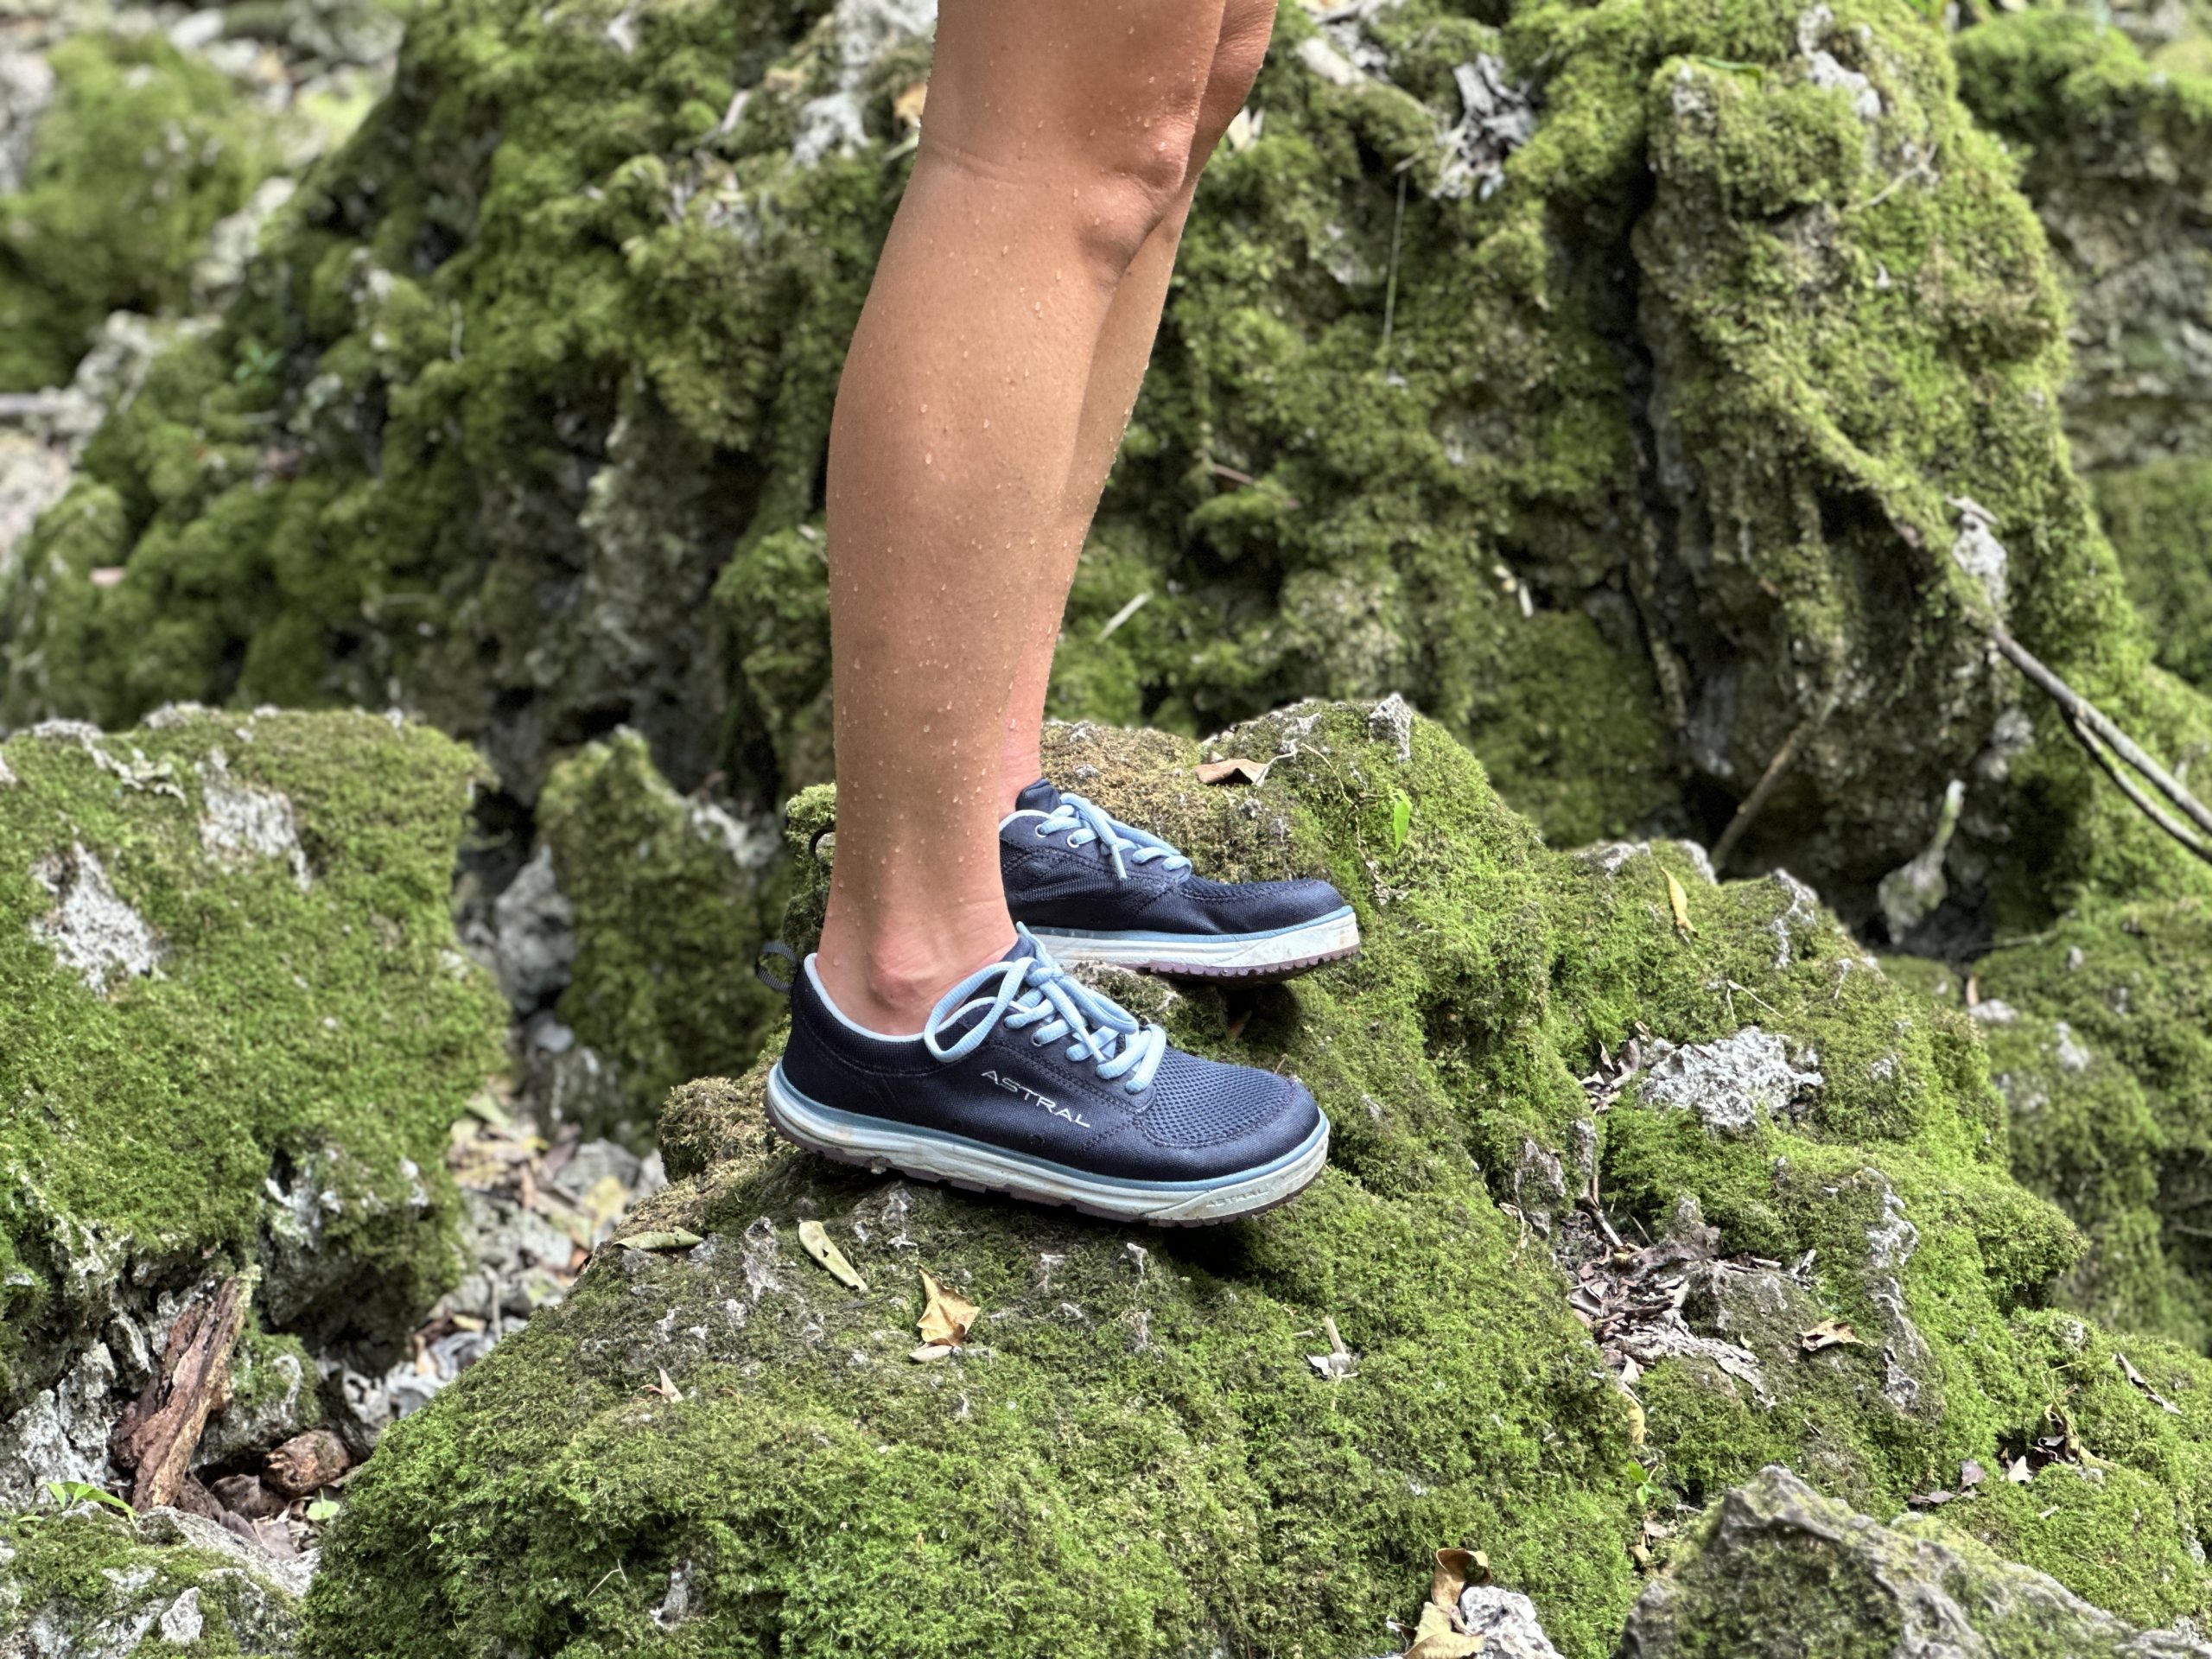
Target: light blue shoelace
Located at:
point(1037, 991)
point(1085, 822)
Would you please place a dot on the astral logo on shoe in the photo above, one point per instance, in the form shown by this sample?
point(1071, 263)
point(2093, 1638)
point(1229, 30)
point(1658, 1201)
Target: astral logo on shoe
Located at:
point(1051, 1106)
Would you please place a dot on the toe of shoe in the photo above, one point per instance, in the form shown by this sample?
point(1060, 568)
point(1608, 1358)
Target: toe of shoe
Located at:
point(1290, 1122)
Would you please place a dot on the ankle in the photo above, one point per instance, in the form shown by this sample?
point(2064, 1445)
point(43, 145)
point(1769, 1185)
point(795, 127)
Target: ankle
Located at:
point(888, 978)
point(1017, 769)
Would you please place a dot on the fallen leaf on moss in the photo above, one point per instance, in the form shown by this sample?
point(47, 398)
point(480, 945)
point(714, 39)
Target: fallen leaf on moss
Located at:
point(907, 106)
point(1970, 1475)
point(930, 1352)
point(661, 1238)
point(664, 1389)
point(1828, 1334)
point(1637, 1428)
point(1434, 1639)
point(1455, 1570)
point(1679, 902)
point(945, 1322)
point(818, 1244)
point(1237, 771)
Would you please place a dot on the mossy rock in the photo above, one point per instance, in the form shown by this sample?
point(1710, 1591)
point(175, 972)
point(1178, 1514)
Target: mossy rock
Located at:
point(2116, 153)
point(671, 899)
point(1689, 352)
point(2160, 518)
point(1777, 1571)
point(2100, 1031)
point(234, 1029)
point(140, 151)
point(1135, 1454)
point(94, 1583)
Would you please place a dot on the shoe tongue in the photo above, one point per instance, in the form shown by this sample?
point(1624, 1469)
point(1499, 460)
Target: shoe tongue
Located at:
point(1039, 796)
point(1025, 945)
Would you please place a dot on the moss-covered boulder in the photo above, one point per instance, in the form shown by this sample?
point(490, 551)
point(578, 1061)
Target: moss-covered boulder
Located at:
point(1628, 449)
point(1136, 1452)
point(139, 151)
point(2160, 518)
point(91, 1584)
point(2117, 156)
point(234, 1029)
point(669, 900)
point(1777, 1571)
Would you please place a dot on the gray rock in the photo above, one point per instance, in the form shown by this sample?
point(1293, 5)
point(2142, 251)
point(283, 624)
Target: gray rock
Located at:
point(1787, 1573)
point(93, 932)
point(533, 935)
point(1733, 1085)
point(27, 85)
point(1507, 1621)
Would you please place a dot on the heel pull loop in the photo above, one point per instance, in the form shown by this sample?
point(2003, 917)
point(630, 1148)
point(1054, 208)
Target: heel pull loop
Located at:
point(776, 948)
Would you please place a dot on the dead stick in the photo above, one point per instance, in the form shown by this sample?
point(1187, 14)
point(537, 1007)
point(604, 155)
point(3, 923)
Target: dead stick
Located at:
point(2078, 707)
point(1768, 780)
point(2149, 808)
point(160, 1432)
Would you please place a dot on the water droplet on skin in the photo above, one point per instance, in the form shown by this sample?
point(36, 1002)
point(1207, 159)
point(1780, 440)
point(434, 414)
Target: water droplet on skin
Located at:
point(928, 460)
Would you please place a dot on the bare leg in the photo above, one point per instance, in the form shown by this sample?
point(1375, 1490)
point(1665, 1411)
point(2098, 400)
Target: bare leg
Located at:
point(1116, 371)
point(1057, 139)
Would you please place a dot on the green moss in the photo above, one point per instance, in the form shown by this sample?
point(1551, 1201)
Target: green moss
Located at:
point(141, 150)
point(95, 1582)
point(2108, 1069)
point(672, 899)
point(1133, 1455)
point(2159, 518)
point(308, 1023)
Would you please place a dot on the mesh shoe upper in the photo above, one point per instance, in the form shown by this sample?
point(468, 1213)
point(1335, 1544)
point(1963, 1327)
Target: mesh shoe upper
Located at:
point(1059, 874)
point(1037, 1088)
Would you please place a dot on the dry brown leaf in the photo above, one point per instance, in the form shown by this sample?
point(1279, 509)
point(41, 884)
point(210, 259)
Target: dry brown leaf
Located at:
point(1679, 902)
point(1828, 1334)
point(947, 1316)
point(1236, 771)
point(1434, 1639)
point(907, 106)
point(1454, 1568)
point(664, 1389)
point(818, 1245)
point(1636, 1427)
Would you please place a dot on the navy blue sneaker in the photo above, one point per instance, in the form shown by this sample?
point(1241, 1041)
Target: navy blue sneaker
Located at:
point(1025, 1081)
point(1095, 889)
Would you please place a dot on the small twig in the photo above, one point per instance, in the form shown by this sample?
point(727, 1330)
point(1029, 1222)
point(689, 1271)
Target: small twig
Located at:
point(2128, 787)
point(2082, 712)
point(1114, 622)
point(1390, 288)
point(1760, 791)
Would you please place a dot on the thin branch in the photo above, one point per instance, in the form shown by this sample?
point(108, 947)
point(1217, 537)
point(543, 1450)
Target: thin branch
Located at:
point(1758, 798)
point(2078, 708)
point(2149, 808)
point(1390, 289)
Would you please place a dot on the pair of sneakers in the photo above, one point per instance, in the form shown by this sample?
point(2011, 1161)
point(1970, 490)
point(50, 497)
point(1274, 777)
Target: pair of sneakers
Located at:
point(1025, 1081)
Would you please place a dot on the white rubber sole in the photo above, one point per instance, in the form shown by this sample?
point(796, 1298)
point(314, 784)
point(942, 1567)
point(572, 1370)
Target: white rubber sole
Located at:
point(932, 1156)
point(1237, 956)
